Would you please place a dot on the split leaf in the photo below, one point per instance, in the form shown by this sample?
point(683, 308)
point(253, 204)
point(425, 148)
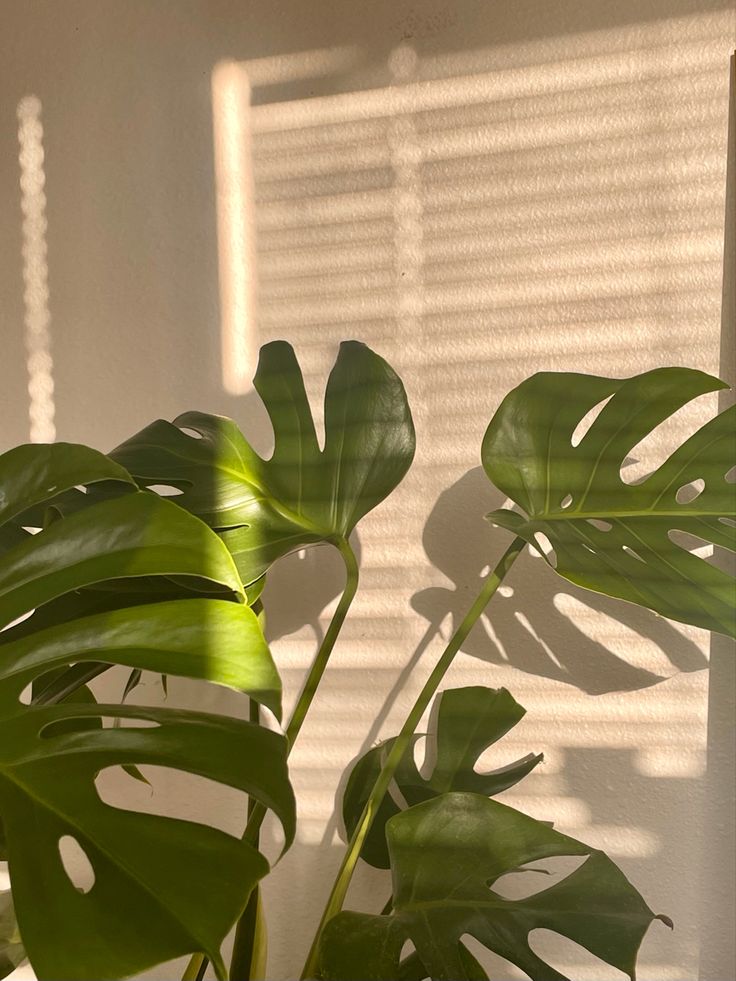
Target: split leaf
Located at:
point(607, 535)
point(302, 495)
point(465, 723)
point(446, 856)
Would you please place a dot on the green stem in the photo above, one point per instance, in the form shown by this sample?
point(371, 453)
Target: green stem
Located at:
point(325, 649)
point(247, 955)
point(195, 968)
point(315, 672)
point(401, 744)
point(257, 812)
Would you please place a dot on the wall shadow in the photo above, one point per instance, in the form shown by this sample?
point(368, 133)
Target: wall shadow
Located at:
point(300, 586)
point(461, 544)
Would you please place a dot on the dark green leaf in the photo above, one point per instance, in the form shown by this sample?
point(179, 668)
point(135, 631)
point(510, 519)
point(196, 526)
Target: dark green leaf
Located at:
point(80, 696)
point(12, 534)
point(51, 514)
point(67, 685)
point(302, 495)
point(465, 722)
point(150, 872)
point(446, 855)
point(47, 472)
point(616, 538)
point(141, 863)
point(412, 969)
point(383, 939)
point(134, 679)
point(36, 473)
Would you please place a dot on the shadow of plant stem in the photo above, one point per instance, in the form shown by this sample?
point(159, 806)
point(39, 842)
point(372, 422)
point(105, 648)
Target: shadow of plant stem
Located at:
point(531, 633)
point(459, 541)
point(301, 586)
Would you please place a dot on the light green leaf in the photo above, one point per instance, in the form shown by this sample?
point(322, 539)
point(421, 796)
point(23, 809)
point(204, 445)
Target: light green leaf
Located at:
point(616, 538)
point(302, 495)
point(465, 722)
point(446, 855)
point(127, 537)
point(179, 635)
point(150, 873)
point(38, 473)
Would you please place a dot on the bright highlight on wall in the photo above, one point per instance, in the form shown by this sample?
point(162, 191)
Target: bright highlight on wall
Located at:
point(37, 319)
point(477, 215)
point(235, 226)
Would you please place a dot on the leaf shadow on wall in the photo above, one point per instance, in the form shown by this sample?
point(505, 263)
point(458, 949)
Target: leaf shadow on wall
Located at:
point(532, 633)
point(300, 586)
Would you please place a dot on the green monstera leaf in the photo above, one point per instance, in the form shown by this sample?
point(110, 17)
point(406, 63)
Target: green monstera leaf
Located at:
point(609, 536)
point(150, 872)
point(35, 476)
point(465, 722)
point(446, 856)
point(47, 474)
point(301, 495)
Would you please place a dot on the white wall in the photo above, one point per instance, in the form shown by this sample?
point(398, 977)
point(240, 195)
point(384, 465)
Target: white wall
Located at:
point(478, 191)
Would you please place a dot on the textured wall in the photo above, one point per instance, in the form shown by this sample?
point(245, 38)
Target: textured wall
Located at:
point(478, 191)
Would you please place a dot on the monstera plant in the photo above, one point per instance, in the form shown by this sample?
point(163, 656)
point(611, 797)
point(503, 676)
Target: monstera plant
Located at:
point(117, 576)
point(80, 588)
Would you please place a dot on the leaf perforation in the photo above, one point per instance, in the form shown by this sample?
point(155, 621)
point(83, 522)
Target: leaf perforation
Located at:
point(674, 584)
point(438, 904)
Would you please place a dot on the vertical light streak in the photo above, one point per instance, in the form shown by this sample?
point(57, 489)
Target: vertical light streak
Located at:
point(406, 159)
point(37, 319)
point(235, 227)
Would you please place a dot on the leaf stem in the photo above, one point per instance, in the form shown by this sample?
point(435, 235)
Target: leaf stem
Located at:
point(316, 671)
point(195, 968)
point(257, 811)
point(401, 743)
point(250, 943)
point(323, 654)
